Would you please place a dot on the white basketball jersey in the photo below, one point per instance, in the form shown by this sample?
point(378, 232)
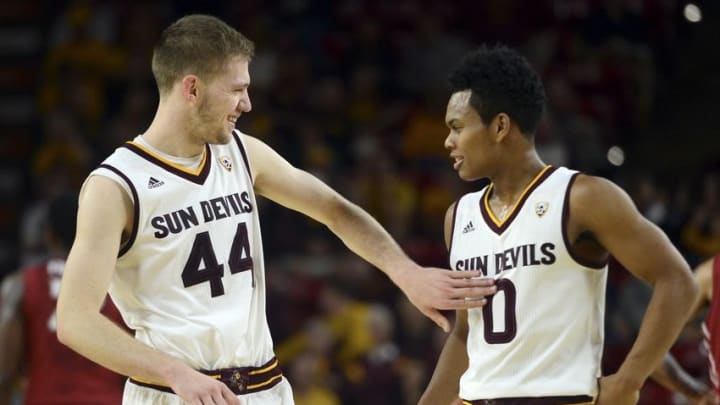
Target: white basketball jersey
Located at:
point(541, 334)
point(191, 280)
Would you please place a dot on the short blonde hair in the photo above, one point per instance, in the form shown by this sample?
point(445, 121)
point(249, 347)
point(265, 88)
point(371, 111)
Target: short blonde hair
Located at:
point(196, 44)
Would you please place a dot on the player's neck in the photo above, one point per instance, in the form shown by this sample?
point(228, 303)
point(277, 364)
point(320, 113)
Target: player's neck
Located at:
point(512, 181)
point(170, 133)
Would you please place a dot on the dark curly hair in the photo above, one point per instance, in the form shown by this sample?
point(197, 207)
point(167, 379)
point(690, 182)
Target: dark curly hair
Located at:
point(501, 80)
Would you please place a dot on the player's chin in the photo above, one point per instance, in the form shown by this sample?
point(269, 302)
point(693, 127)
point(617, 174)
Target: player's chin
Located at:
point(467, 175)
point(463, 174)
point(222, 138)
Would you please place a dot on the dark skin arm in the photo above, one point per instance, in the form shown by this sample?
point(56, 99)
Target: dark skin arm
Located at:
point(670, 374)
point(445, 382)
point(603, 220)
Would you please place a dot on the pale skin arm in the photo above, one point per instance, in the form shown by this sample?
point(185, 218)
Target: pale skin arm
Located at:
point(104, 213)
point(670, 374)
point(600, 209)
point(429, 289)
point(11, 335)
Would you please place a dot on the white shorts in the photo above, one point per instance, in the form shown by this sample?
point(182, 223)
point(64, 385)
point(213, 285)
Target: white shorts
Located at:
point(280, 394)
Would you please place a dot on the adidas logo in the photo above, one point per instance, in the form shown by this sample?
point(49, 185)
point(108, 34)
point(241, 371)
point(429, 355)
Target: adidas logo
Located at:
point(154, 183)
point(469, 227)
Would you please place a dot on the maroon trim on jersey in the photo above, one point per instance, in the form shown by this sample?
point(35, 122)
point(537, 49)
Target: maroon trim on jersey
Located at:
point(244, 154)
point(197, 179)
point(567, 400)
point(136, 209)
point(518, 206)
point(568, 246)
point(452, 230)
point(240, 380)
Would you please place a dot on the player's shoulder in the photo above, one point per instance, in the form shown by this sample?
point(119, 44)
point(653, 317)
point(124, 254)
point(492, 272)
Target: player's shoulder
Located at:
point(587, 189)
point(598, 203)
point(248, 141)
point(99, 185)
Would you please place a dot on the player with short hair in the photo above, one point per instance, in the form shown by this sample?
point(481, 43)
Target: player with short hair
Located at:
point(169, 223)
point(28, 342)
point(544, 234)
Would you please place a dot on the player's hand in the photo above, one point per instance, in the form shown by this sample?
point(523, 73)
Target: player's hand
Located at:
point(431, 290)
point(198, 389)
point(613, 391)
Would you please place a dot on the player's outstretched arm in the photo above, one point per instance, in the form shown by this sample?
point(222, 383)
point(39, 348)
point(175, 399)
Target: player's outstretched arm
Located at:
point(12, 334)
point(670, 374)
point(429, 289)
point(602, 210)
point(104, 212)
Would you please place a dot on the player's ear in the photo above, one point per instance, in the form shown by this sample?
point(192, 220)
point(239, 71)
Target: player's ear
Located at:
point(190, 88)
point(500, 126)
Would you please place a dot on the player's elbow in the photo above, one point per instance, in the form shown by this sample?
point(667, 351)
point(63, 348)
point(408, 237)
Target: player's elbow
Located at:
point(63, 331)
point(693, 290)
point(66, 330)
point(683, 286)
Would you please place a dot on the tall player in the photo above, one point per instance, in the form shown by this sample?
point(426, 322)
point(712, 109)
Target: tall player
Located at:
point(169, 223)
point(544, 234)
point(28, 343)
point(670, 374)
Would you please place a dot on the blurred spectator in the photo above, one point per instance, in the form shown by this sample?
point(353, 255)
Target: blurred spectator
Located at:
point(308, 389)
point(60, 164)
point(81, 61)
point(701, 234)
point(379, 376)
point(29, 348)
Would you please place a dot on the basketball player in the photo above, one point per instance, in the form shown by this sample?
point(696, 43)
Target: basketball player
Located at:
point(169, 224)
point(28, 342)
point(670, 374)
point(544, 234)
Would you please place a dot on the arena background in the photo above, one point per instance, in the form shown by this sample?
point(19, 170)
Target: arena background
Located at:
point(354, 91)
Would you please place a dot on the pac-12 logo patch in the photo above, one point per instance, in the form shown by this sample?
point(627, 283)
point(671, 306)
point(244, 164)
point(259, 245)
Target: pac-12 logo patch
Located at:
point(541, 208)
point(225, 162)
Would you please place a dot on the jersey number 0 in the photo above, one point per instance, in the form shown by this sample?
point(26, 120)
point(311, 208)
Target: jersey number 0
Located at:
point(510, 330)
point(203, 253)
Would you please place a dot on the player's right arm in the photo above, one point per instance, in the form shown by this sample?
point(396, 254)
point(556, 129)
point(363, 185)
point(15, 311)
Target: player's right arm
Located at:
point(670, 373)
point(429, 289)
point(104, 215)
point(11, 334)
point(445, 382)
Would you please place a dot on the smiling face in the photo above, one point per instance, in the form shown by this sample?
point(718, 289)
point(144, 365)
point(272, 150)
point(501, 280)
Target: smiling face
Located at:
point(470, 141)
point(225, 98)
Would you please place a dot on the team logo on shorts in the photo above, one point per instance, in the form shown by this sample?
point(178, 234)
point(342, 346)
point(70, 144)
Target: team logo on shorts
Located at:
point(541, 208)
point(225, 162)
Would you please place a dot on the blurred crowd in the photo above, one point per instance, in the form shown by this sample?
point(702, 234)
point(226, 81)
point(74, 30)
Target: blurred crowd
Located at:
point(354, 91)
